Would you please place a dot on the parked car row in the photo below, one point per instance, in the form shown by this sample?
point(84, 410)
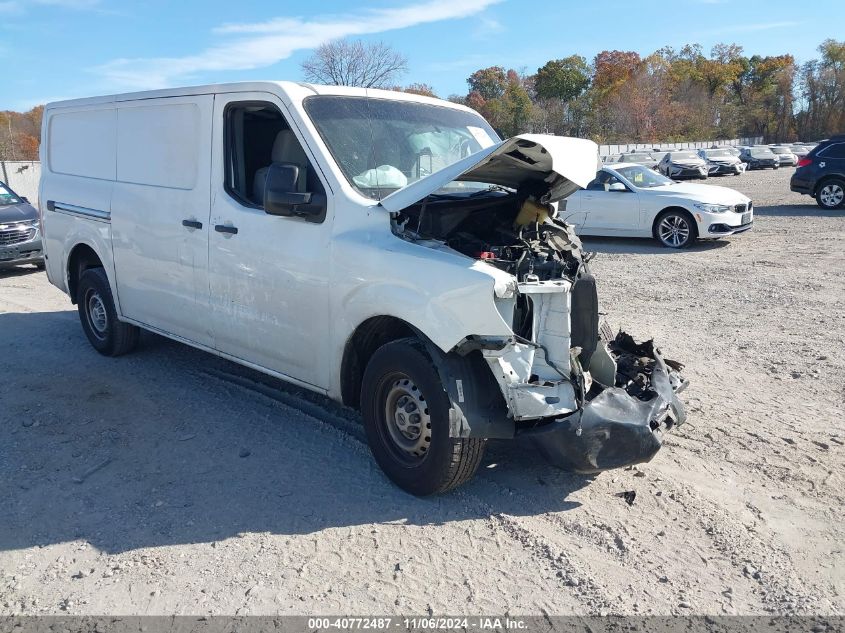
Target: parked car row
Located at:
point(716, 160)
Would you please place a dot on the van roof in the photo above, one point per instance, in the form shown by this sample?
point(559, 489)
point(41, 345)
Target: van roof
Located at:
point(296, 90)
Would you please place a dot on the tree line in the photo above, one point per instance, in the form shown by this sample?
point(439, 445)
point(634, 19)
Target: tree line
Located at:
point(668, 96)
point(617, 97)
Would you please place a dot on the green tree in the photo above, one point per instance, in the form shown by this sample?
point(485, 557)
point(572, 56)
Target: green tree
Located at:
point(562, 79)
point(489, 83)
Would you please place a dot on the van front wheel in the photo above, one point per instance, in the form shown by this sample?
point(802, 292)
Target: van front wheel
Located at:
point(406, 418)
point(105, 332)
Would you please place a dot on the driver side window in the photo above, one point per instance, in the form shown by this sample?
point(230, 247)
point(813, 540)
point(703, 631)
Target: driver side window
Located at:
point(257, 136)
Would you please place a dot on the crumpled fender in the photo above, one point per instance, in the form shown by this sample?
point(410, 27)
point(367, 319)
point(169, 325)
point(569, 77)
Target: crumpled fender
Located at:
point(477, 406)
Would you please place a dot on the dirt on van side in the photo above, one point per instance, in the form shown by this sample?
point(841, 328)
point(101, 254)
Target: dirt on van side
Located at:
point(172, 482)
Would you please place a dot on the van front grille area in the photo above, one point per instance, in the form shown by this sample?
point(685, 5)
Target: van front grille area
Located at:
point(16, 235)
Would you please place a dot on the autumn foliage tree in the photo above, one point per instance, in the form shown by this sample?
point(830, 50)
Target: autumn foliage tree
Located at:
point(669, 95)
point(20, 134)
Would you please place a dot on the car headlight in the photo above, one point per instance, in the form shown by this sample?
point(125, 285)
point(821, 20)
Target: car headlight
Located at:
point(713, 208)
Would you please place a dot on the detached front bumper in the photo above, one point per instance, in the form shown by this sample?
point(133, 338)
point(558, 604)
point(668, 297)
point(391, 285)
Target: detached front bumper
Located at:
point(614, 429)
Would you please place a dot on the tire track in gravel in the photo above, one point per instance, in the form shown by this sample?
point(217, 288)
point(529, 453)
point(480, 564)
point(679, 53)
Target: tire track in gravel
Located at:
point(516, 531)
point(753, 556)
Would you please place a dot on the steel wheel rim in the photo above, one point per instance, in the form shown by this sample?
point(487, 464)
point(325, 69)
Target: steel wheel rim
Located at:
point(832, 195)
point(674, 230)
point(98, 317)
point(407, 419)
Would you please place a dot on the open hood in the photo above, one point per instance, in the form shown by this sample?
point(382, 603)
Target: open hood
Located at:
point(552, 167)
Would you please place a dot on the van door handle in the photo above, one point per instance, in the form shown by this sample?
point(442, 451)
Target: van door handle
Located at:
point(192, 224)
point(225, 228)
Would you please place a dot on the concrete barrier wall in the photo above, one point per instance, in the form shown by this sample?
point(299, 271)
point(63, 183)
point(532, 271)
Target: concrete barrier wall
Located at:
point(611, 150)
point(22, 176)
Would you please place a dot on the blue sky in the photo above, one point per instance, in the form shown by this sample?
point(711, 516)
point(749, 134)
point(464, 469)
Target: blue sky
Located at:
point(55, 49)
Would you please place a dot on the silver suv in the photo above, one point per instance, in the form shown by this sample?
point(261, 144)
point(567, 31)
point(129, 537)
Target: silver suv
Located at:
point(20, 233)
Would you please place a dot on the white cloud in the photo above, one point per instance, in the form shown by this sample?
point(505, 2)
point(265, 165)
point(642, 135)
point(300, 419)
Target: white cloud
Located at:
point(262, 44)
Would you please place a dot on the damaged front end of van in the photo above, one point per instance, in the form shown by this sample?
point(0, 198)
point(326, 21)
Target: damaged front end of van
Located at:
point(589, 399)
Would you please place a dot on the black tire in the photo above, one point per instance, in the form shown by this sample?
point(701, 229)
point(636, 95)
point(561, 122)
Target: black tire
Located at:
point(682, 220)
point(830, 194)
point(438, 462)
point(95, 304)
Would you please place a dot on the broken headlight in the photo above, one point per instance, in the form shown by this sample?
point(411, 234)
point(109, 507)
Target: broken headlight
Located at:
point(713, 208)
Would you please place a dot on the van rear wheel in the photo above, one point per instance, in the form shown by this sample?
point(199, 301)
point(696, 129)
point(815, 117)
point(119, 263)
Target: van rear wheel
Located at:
point(95, 304)
point(406, 418)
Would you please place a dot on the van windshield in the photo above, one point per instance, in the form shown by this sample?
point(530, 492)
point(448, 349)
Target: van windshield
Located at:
point(382, 145)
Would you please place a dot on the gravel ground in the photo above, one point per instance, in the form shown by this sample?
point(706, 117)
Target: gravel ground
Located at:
point(170, 481)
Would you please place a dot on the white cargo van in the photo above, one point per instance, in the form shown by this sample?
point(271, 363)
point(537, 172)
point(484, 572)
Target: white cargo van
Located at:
point(385, 249)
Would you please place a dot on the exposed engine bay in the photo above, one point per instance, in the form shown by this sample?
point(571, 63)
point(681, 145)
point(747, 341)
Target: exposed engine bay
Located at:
point(508, 230)
point(590, 400)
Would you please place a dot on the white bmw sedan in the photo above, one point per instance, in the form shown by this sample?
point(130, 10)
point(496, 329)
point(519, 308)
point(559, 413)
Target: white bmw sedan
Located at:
point(627, 200)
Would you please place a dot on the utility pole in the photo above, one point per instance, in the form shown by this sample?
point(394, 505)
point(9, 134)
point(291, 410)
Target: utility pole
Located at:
point(11, 140)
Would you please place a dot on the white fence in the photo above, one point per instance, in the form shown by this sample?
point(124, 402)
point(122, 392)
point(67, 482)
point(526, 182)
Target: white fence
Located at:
point(612, 150)
point(22, 177)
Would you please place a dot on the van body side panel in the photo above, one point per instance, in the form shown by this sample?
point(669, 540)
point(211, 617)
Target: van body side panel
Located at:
point(78, 167)
point(163, 159)
point(269, 282)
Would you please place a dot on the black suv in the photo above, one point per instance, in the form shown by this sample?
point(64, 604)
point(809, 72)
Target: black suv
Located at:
point(821, 173)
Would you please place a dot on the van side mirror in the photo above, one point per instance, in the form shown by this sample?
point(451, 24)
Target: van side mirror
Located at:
point(617, 186)
point(282, 198)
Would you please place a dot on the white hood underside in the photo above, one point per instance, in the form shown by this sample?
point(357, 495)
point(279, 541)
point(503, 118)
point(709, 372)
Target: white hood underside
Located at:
point(555, 166)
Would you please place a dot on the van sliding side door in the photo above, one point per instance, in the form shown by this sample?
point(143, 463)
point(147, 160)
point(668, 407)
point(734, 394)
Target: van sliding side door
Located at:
point(160, 212)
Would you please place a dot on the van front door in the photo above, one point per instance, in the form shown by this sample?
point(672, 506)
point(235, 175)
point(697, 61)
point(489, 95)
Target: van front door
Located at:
point(268, 274)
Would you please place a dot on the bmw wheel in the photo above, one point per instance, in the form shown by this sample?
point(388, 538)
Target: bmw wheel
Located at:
point(675, 229)
point(831, 194)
